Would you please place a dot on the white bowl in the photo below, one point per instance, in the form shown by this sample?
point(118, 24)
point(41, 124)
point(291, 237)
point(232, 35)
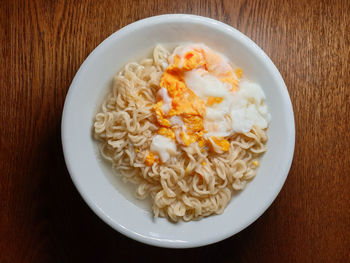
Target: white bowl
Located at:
point(112, 200)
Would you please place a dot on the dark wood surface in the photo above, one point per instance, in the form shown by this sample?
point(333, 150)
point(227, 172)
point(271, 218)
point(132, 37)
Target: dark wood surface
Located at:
point(42, 216)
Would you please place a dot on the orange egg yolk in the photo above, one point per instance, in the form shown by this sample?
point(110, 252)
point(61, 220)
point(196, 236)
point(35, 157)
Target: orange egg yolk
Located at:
point(223, 143)
point(212, 100)
point(150, 159)
point(185, 102)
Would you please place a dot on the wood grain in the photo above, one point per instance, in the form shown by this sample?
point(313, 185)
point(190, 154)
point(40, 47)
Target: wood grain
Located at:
point(43, 218)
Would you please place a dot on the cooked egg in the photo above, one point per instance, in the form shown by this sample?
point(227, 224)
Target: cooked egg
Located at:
point(150, 159)
point(167, 101)
point(203, 99)
point(163, 146)
point(256, 163)
point(247, 108)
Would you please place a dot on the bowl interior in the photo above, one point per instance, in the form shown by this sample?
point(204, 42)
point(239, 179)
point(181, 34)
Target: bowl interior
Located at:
point(114, 202)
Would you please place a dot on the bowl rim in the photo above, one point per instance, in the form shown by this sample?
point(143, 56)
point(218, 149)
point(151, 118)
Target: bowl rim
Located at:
point(154, 20)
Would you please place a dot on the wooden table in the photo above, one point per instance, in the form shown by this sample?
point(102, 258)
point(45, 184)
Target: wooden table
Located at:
point(42, 216)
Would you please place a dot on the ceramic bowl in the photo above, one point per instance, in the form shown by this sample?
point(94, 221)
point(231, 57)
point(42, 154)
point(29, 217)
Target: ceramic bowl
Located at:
point(108, 196)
